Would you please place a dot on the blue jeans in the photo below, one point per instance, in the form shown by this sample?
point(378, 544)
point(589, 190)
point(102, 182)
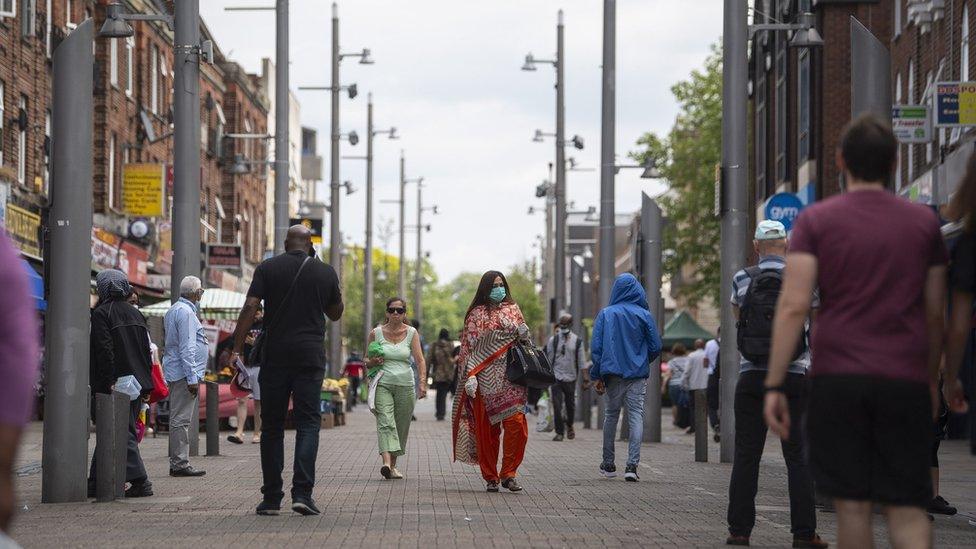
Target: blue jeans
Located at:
point(633, 391)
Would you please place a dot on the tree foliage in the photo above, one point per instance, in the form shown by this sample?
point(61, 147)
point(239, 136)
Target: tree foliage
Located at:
point(687, 158)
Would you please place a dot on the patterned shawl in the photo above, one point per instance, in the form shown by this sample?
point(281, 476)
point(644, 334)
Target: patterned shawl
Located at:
point(487, 332)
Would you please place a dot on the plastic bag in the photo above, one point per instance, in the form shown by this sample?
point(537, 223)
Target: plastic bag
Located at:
point(141, 422)
point(545, 422)
point(129, 386)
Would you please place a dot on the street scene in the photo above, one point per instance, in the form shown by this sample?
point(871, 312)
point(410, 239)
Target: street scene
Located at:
point(558, 274)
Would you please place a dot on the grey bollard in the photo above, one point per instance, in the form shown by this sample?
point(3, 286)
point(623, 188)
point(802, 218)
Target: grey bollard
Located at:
point(586, 406)
point(194, 428)
point(213, 419)
point(120, 446)
point(701, 426)
point(105, 469)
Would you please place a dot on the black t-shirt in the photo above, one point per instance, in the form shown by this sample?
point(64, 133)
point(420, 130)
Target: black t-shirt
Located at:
point(297, 338)
point(962, 270)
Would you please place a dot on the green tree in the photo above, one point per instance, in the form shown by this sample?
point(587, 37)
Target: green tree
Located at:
point(687, 157)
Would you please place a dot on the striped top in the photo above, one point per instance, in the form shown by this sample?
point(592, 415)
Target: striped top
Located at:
point(740, 286)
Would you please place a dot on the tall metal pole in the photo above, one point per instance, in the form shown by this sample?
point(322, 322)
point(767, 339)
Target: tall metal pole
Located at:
point(65, 448)
point(186, 144)
point(368, 253)
point(651, 271)
point(282, 129)
point(418, 269)
point(402, 273)
point(733, 202)
point(559, 269)
point(335, 259)
point(607, 157)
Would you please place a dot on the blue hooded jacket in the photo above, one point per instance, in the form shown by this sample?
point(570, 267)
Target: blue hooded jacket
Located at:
point(625, 338)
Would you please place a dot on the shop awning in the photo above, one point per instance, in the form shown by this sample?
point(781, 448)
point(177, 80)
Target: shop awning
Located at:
point(683, 329)
point(216, 304)
point(35, 285)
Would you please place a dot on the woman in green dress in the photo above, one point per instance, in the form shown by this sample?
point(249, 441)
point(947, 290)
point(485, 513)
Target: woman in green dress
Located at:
point(394, 380)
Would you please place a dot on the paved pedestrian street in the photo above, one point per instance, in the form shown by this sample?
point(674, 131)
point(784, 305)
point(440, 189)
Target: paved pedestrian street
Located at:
point(678, 503)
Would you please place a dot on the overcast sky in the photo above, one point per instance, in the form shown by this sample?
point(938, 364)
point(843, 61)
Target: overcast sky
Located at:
point(447, 76)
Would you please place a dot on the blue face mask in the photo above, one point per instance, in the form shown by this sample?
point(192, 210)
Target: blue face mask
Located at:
point(497, 294)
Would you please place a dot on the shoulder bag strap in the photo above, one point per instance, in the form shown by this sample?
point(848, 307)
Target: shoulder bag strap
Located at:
point(284, 300)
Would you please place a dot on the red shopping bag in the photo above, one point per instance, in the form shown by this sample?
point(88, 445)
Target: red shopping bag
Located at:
point(160, 389)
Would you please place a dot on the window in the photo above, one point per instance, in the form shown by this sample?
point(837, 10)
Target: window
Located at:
point(163, 96)
point(130, 44)
point(2, 117)
point(761, 146)
point(113, 56)
point(110, 170)
point(930, 147)
point(68, 22)
point(897, 10)
point(911, 101)
point(28, 18)
point(154, 81)
point(964, 46)
point(48, 24)
point(803, 101)
point(47, 151)
point(22, 145)
point(898, 101)
point(8, 8)
point(782, 140)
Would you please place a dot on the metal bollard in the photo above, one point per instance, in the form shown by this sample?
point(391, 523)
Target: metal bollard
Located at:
point(701, 426)
point(120, 447)
point(586, 407)
point(194, 428)
point(112, 437)
point(213, 419)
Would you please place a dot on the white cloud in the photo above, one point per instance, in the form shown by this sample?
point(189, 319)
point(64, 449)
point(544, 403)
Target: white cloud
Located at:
point(447, 76)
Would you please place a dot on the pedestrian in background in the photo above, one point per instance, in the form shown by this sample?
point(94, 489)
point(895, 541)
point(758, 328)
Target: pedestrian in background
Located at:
point(880, 264)
point(253, 372)
point(565, 351)
point(487, 404)
point(120, 348)
point(712, 354)
point(677, 367)
point(354, 371)
point(396, 392)
point(625, 342)
point(184, 364)
point(695, 379)
point(19, 364)
point(440, 358)
point(299, 291)
point(755, 292)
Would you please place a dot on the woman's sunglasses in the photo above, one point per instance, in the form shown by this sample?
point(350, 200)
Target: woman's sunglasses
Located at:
point(396, 310)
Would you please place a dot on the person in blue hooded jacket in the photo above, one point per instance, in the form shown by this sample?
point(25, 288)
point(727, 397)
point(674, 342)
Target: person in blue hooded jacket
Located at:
point(625, 341)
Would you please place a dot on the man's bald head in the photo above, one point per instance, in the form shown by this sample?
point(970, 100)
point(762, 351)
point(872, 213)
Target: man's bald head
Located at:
point(299, 238)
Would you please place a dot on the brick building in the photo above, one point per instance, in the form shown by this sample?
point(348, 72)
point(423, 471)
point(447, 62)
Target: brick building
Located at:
point(133, 100)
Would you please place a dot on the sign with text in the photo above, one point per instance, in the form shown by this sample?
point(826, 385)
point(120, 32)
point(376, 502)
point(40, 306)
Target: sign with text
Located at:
point(24, 228)
point(955, 104)
point(911, 123)
point(224, 256)
point(784, 207)
point(314, 225)
point(142, 189)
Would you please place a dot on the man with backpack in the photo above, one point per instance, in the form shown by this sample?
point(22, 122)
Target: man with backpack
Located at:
point(755, 291)
point(565, 352)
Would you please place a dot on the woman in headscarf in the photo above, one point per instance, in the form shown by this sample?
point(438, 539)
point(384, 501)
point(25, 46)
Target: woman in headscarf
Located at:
point(120, 348)
point(486, 403)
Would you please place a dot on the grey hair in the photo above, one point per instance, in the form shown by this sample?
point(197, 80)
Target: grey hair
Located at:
point(190, 285)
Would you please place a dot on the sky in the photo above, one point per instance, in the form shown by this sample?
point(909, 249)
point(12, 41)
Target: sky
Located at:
point(447, 76)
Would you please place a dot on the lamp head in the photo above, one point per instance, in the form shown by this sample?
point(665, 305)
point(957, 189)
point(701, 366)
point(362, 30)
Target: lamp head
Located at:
point(808, 37)
point(349, 188)
point(537, 138)
point(353, 138)
point(366, 57)
point(650, 170)
point(529, 65)
point(393, 133)
point(239, 167)
point(353, 91)
point(115, 26)
point(578, 142)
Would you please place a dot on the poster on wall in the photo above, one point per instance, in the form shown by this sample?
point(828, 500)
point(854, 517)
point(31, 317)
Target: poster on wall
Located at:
point(142, 189)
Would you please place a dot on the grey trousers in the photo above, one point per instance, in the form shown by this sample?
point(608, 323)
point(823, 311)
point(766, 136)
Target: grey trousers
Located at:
point(181, 403)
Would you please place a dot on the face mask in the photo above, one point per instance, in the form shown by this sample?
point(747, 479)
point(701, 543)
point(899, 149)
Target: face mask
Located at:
point(497, 294)
point(564, 329)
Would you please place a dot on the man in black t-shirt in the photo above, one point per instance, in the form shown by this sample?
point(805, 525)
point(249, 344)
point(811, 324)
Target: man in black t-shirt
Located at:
point(298, 291)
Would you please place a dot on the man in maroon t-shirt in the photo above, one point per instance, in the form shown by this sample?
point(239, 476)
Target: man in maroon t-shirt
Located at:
point(879, 263)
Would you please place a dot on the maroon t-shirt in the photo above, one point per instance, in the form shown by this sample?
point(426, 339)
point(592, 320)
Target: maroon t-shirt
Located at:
point(873, 253)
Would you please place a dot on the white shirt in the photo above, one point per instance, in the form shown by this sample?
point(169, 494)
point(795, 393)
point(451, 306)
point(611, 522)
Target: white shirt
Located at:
point(711, 353)
point(696, 377)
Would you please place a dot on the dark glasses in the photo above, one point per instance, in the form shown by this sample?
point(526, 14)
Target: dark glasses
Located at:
point(396, 310)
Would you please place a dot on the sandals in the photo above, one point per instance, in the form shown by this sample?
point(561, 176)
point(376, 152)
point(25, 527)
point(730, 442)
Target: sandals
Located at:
point(256, 439)
point(235, 439)
point(395, 473)
point(387, 472)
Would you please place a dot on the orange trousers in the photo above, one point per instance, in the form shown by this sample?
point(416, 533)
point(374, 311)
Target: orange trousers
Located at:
point(488, 439)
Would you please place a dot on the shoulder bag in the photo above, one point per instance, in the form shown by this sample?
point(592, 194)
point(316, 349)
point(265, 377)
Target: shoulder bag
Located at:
point(256, 358)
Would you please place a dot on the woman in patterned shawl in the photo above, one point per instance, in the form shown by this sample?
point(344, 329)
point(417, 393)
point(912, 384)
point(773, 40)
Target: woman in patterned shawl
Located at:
point(486, 403)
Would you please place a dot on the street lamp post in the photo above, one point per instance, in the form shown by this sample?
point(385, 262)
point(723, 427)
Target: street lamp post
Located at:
point(402, 272)
point(607, 156)
point(559, 266)
point(418, 270)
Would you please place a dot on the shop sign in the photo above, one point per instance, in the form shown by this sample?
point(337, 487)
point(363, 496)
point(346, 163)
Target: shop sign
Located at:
point(224, 256)
point(142, 189)
point(911, 123)
point(955, 104)
point(23, 227)
point(105, 249)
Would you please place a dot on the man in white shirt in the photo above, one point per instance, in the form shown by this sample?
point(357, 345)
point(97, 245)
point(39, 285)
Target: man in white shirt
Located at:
point(696, 377)
point(714, 373)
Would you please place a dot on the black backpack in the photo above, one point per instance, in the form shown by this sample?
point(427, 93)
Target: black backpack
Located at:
point(755, 325)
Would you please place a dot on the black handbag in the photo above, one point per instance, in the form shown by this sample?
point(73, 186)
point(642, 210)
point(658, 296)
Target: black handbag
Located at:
point(256, 356)
point(528, 366)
